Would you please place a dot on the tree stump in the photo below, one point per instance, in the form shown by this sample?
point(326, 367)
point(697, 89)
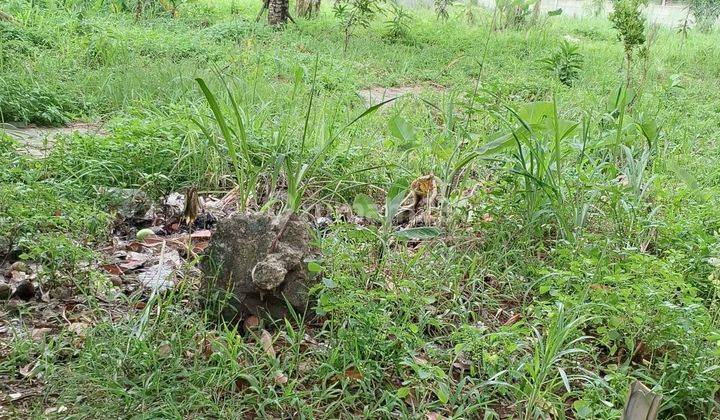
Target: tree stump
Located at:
point(641, 404)
point(256, 264)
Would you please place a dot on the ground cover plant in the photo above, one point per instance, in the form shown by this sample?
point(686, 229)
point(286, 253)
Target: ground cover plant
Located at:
point(516, 216)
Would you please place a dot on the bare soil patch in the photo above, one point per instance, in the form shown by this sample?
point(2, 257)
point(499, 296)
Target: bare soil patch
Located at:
point(376, 94)
point(38, 141)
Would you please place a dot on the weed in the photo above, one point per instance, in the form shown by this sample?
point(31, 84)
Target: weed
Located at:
point(630, 24)
point(546, 370)
point(442, 9)
point(354, 14)
point(565, 63)
point(398, 24)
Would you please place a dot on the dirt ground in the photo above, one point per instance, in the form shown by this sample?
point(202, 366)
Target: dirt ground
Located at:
point(37, 141)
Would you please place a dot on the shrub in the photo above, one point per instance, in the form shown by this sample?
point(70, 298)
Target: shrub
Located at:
point(38, 104)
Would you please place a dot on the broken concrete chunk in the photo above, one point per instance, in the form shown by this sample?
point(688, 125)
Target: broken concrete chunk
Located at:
point(5, 291)
point(25, 290)
point(255, 265)
point(269, 273)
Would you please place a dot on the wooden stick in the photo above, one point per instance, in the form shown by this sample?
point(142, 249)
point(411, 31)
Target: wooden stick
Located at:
point(265, 5)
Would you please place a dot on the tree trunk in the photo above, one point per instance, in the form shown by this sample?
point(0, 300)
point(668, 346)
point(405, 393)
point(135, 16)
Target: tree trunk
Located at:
point(308, 8)
point(278, 12)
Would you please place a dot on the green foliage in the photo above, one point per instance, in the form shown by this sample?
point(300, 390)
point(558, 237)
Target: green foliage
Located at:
point(706, 13)
point(398, 24)
point(35, 103)
point(565, 63)
point(608, 208)
point(442, 8)
point(668, 321)
point(354, 14)
point(514, 13)
point(235, 139)
point(628, 20)
point(235, 30)
point(546, 370)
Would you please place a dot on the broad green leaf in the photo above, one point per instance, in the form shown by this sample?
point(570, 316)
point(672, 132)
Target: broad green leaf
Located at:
point(392, 205)
point(496, 144)
point(443, 393)
point(401, 130)
point(403, 392)
point(314, 267)
point(418, 233)
point(684, 175)
point(535, 112)
point(364, 206)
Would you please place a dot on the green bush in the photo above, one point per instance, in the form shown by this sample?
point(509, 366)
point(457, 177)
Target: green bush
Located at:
point(647, 317)
point(36, 103)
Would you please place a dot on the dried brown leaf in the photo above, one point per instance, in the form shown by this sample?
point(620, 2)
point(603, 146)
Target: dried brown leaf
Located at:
point(202, 234)
point(18, 276)
point(79, 328)
point(28, 371)
point(251, 322)
point(38, 334)
point(112, 269)
point(266, 342)
point(280, 378)
point(134, 246)
point(513, 319)
point(241, 383)
point(353, 373)
point(164, 350)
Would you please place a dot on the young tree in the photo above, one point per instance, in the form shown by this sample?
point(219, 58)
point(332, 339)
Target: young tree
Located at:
point(630, 24)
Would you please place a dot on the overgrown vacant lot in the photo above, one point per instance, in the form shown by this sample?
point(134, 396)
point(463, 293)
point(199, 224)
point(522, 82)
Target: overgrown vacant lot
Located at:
point(566, 241)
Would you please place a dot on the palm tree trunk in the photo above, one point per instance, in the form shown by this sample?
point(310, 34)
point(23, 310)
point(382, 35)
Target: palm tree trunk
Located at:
point(278, 12)
point(307, 8)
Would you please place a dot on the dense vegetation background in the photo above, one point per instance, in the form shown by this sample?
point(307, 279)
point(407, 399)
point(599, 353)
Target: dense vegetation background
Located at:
point(576, 246)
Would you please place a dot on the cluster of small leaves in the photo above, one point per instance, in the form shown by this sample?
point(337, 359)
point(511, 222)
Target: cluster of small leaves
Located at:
point(566, 63)
point(398, 23)
point(629, 22)
point(37, 104)
point(514, 13)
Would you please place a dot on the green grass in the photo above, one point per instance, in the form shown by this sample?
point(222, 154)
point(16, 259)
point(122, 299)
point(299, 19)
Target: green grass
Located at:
point(555, 283)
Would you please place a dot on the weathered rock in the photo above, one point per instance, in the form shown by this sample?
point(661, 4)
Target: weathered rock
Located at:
point(255, 265)
point(5, 291)
point(25, 290)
